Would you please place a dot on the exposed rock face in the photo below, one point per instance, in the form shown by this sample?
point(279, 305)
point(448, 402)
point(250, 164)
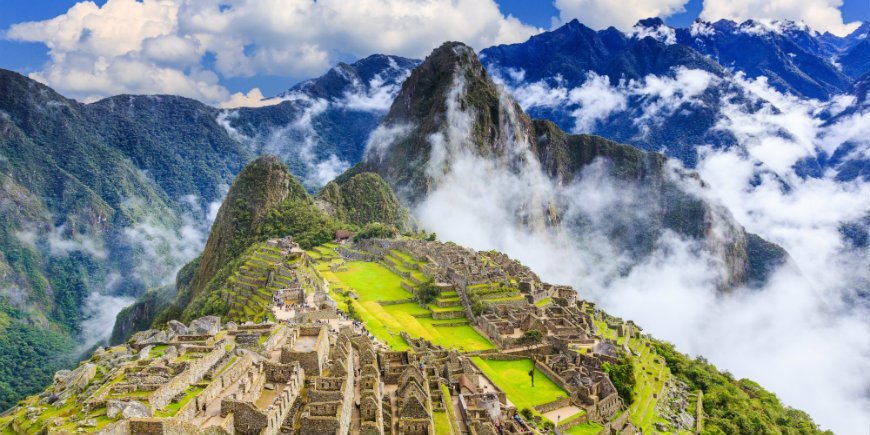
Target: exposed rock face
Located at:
point(451, 79)
point(141, 314)
point(208, 325)
point(127, 409)
point(68, 383)
point(450, 111)
point(177, 327)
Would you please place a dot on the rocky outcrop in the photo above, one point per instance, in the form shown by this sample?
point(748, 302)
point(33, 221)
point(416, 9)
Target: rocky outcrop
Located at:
point(70, 382)
point(116, 409)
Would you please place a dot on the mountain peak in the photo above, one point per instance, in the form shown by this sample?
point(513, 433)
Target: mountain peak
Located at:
point(262, 184)
point(425, 91)
point(449, 92)
point(652, 22)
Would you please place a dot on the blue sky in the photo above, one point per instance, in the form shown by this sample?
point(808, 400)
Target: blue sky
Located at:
point(266, 65)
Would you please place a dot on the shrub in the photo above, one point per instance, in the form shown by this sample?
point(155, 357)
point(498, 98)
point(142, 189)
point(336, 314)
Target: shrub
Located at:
point(377, 230)
point(622, 375)
point(426, 293)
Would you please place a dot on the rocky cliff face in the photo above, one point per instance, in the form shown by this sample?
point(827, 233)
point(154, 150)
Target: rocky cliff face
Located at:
point(451, 122)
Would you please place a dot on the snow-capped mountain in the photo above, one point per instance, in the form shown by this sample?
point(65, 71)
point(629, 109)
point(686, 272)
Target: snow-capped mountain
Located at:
point(682, 91)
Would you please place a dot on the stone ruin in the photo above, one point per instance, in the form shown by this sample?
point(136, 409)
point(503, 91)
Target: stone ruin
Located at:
point(330, 377)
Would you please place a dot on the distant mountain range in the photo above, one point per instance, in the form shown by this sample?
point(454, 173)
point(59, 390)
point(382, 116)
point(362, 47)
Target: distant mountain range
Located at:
point(666, 89)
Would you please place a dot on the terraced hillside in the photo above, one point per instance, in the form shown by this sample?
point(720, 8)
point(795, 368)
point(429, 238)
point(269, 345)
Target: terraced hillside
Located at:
point(249, 291)
point(253, 282)
point(382, 295)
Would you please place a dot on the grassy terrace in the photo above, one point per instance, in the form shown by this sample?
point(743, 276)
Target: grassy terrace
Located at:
point(513, 378)
point(174, 407)
point(442, 423)
point(374, 283)
point(647, 367)
point(584, 429)
point(544, 302)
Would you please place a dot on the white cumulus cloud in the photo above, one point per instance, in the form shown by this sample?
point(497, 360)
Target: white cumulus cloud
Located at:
point(600, 14)
point(160, 46)
point(820, 15)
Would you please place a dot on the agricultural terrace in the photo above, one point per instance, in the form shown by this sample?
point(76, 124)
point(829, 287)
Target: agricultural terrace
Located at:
point(650, 374)
point(388, 309)
point(584, 429)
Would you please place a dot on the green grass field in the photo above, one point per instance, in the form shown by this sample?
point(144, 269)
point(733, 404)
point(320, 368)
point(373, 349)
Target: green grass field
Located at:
point(585, 429)
point(372, 282)
point(442, 423)
point(513, 378)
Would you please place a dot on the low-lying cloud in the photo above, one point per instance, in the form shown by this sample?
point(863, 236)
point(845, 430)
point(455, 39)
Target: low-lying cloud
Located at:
point(596, 99)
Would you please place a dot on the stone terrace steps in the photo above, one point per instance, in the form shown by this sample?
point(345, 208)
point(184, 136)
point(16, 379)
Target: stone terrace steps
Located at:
point(248, 297)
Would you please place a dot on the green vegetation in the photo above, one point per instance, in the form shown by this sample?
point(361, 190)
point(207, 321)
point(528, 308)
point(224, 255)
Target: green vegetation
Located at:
point(584, 429)
point(531, 337)
point(442, 423)
point(544, 302)
point(448, 405)
point(373, 283)
point(650, 376)
point(622, 375)
point(29, 356)
point(173, 407)
point(734, 406)
point(302, 220)
point(426, 293)
point(363, 199)
point(377, 230)
point(513, 378)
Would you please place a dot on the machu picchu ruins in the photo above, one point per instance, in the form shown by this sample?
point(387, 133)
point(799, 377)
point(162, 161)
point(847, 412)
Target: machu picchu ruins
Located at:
point(380, 336)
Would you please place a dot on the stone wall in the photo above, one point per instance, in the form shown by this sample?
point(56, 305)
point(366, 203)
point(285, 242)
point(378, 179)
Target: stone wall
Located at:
point(565, 425)
point(278, 337)
point(278, 410)
point(504, 357)
point(324, 314)
point(556, 404)
point(195, 371)
point(355, 255)
point(219, 384)
point(312, 361)
point(554, 377)
point(247, 419)
point(448, 315)
point(332, 396)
